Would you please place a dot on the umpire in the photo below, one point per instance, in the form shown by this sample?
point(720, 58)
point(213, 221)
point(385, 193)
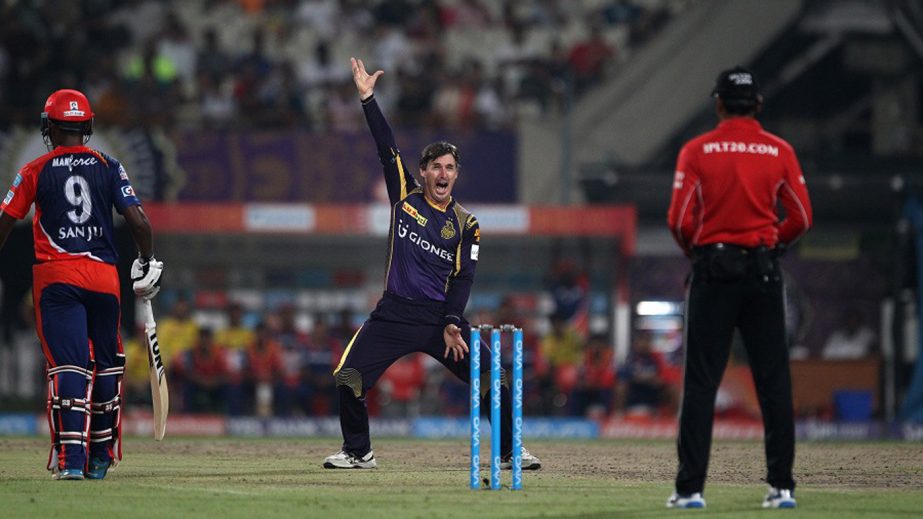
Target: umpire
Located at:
point(723, 214)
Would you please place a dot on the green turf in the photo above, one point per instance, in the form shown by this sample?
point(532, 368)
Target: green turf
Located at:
point(283, 478)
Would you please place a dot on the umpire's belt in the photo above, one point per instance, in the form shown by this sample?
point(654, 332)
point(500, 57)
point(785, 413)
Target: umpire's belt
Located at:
point(730, 262)
point(723, 248)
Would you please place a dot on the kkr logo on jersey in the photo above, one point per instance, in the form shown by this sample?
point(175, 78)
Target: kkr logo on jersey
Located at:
point(412, 211)
point(448, 230)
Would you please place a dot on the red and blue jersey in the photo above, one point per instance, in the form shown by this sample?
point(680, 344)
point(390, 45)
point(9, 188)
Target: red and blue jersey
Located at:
point(74, 189)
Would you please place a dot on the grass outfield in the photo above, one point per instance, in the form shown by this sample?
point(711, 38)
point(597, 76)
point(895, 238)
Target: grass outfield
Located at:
point(417, 478)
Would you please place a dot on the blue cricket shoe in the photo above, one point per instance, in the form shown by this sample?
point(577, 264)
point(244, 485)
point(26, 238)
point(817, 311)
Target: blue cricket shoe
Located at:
point(98, 468)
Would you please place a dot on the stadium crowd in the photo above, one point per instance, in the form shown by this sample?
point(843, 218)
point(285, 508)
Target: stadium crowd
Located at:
point(283, 63)
point(282, 365)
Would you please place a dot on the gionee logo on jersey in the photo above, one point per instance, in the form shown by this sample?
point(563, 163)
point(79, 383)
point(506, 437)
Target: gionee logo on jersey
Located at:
point(403, 232)
point(412, 211)
point(70, 161)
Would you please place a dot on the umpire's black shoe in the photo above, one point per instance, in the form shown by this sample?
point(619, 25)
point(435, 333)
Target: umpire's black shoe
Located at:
point(529, 461)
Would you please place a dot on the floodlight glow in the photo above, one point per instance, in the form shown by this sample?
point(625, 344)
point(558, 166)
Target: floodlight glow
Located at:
point(655, 308)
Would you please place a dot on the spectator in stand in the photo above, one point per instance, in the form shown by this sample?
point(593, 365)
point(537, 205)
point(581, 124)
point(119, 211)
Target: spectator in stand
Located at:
point(320, 359)
point(320, 16)
point(294, 345)
point(143, 18)
point(534, 92)
point(415, 101)
point(467, 14)
point(177, 332)
point(235, 336)
point(563, 349)
point(513, 58)
point(490, 111)
point(153, 87)
point(455, 98)
point(206, 376)
point(344, 329)
point(253, 69)
point(136, 386)
point(264, 372)
point(546, 84)
point(176, 47)
point(642, 388)
point(393, 51)
point(401, 385)
point(401, 30)
point(112, 102)
point(569, 286)
point(855, 340)
point(340, 113)
point(317, 73)
point(282, 100)
point(217, 105)
point(428, 22)
point(396, 13)
point(212, 60)
point(596, 386)
point(589, 59)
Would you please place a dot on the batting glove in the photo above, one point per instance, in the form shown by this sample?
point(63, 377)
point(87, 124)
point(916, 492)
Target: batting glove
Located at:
point(145, 275)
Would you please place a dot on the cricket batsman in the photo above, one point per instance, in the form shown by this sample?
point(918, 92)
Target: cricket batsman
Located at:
point(76, 285)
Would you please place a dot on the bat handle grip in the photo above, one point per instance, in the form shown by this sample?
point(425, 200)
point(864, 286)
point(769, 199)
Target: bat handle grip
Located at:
point(148, 313)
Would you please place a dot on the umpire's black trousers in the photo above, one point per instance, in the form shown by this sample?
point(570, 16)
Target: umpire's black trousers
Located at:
point(733, 287)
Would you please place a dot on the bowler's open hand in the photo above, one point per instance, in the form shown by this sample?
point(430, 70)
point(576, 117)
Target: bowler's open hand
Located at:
point(454, 342)
point(365, 83)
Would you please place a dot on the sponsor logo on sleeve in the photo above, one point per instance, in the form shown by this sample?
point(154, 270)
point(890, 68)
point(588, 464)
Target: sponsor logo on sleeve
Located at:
point(678, 180)
point(128, 192)
point(474, 252)
point(412, 211)
point(17, 180)
point(477, 235)
point(9, 197)
point(122, 174)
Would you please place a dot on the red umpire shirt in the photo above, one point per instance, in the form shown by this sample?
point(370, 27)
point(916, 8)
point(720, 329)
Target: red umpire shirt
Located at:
point(728, 184)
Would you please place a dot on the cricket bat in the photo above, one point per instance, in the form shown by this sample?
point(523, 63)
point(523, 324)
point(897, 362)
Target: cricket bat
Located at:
point(160, 395)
